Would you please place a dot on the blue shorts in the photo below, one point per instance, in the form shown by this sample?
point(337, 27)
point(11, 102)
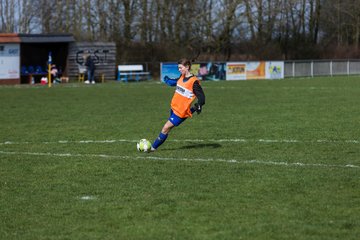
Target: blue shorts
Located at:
point(174, 119)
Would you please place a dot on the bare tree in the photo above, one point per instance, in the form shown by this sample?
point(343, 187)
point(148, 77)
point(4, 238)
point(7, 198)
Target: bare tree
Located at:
point(263, 28)
point(7, 12)
point(314, 21)
point(129, 12)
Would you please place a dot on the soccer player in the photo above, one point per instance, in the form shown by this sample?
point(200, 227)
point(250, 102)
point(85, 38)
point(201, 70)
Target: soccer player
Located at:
point(187, 89)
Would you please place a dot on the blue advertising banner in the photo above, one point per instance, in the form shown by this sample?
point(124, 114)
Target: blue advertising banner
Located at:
point(170, 70)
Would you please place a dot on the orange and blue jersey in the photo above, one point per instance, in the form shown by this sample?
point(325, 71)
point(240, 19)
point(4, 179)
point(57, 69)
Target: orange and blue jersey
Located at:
point(183, 97)
point(187, 89)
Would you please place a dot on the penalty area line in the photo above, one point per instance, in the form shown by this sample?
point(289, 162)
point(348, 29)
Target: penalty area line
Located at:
point(258, 162)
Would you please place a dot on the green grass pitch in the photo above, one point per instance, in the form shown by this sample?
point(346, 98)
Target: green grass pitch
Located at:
point(265, 160)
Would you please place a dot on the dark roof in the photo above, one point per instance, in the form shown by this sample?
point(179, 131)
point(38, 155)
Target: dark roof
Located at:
point(46, 38)
point(9, 38)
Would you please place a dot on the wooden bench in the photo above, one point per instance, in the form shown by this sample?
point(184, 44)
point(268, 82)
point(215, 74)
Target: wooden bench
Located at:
point(132, 72)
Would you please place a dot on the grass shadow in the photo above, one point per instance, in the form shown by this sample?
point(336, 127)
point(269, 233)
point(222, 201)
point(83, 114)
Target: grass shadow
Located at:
point(201, 145)
point(197, 146)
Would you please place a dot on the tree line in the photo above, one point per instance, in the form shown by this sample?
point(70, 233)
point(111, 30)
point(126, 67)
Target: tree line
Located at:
point(162, 30)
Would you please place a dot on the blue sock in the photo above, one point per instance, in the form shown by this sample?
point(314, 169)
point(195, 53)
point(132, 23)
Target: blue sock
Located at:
point(160, 140)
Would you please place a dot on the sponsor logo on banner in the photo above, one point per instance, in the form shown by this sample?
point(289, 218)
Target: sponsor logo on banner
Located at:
point(274, 70)
point(235, 71)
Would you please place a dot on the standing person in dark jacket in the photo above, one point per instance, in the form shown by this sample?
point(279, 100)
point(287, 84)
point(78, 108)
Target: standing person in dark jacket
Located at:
point(90, 66)
point(188, 89)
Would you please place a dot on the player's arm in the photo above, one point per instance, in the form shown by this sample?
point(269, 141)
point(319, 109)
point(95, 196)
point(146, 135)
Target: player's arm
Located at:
point(170, 81)
point(200, 95)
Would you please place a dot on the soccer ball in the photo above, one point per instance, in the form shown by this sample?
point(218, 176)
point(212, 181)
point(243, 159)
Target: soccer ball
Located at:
point(143, 145)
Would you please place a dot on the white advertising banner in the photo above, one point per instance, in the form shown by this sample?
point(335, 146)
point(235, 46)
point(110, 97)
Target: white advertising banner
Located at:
point(274, 70)
point(236, 71)
point(9, 61)
point(254, 70)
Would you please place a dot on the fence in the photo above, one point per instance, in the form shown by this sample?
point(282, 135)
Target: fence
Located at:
point(298, 68)
point(308, 68)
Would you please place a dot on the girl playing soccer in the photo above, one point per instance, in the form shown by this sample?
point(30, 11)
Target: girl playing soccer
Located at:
point(187, 89)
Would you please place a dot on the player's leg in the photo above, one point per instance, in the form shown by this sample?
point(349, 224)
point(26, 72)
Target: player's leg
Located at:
point(167, 127)
point(162, 136)
point(170, 124)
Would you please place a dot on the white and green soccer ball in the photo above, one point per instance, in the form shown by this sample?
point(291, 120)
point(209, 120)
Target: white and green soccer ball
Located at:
point(143, 145)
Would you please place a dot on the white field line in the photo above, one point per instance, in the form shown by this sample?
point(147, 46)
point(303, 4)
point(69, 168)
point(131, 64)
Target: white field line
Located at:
point(233, 140)
point(88, 197)
point(147, 157)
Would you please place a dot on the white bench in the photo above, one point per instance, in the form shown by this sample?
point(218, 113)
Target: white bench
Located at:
point(132, 72)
